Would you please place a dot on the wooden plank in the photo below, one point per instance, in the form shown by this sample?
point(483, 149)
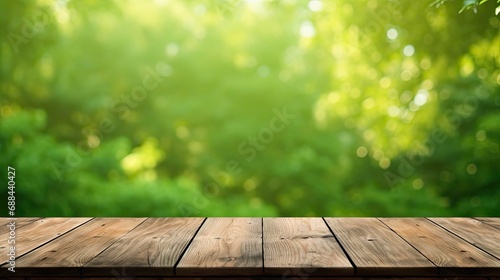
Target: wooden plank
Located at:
point(224, 246)
point(475, 232)
point(66, 255)
point(302, 246)
point(494, 222)
point(5, 220)
point(20, 222)
point(453, 256)
point(376, 250)
point(35, 234)
point(153, 248)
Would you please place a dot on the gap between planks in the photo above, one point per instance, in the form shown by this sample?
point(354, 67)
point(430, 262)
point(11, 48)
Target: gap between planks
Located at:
point(187, 246)
point(433, 242)
point(48, 240)
point(485, 244)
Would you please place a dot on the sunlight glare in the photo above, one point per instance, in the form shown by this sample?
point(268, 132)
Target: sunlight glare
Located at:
point(392, 34)
point(408, 50)
point(307, 29)
point(315, 5)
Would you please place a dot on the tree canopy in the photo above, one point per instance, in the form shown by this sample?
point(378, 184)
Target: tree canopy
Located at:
point(251, 108)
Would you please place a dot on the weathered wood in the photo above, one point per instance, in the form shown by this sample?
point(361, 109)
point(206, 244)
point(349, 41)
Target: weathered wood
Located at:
point(4, 221)
point(474, 231)
point(37, 233)
point(254, 248)
point(151, 249)
point(70, 252)
point(20, 222)
point(495, 222)
point(450, 253)
point(376, 250)
point(224, 246)
point(302, 246)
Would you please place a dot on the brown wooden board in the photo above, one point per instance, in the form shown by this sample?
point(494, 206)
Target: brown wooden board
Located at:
point(19, 222)
point(474, 231)
point(66, 255)
point(302, 247)
point(376, 250)
point(4, 221)
point(35, 234)
point(153, 248)
point(453, 255)
point(495, 222)
point(224, 246)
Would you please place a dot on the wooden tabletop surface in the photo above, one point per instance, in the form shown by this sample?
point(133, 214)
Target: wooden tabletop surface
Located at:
point(252, 247)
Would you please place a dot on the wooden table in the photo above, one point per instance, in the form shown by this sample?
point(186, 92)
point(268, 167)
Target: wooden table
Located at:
point(255, 248)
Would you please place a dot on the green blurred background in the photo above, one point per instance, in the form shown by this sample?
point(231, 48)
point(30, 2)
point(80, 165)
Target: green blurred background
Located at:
point(251, 108)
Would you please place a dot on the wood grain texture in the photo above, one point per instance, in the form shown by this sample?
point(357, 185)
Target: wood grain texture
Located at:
point(20, 222)
point(4, 221)
point(296, 248)
point(376, 250)
point(153, 248)
point(302, 246)
point(495, 222)
point(35, 234)
point(224, 246)
point(474, 231)
point(66, 255)
point(453, 256)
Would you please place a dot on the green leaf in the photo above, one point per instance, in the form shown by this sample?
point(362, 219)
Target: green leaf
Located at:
point(466, 7)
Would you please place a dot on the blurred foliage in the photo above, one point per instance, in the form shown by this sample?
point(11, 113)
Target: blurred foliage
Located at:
point(251, 108)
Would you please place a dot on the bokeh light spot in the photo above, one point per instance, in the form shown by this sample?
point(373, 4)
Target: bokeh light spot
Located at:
point(471, 169)
point(393, 111)
point(480, 135)
point(307, 29)
point(417, 184)
point(392, 34)
point(385, 82)
point(421, 97)
point(384, 163)
point(315, 5)
point(408, 50)
point(362, 152)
